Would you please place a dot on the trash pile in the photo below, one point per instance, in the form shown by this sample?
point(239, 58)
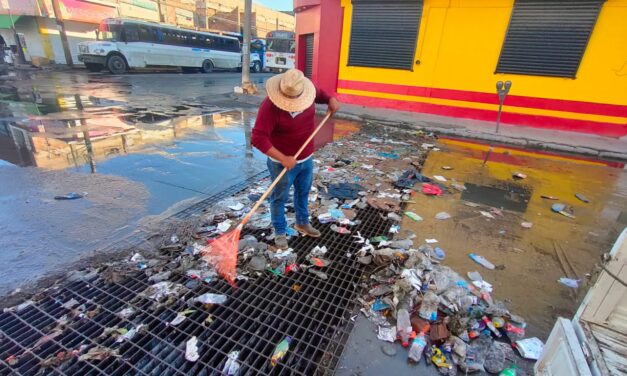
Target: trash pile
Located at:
point(452, 322)
point(433, 312)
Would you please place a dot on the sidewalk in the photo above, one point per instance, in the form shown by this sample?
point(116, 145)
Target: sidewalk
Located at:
point(521, 136)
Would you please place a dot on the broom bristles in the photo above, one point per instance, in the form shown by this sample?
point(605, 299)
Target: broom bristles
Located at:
point(222, 254)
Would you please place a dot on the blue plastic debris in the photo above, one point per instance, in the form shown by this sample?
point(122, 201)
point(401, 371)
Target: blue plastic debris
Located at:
point(378, 305)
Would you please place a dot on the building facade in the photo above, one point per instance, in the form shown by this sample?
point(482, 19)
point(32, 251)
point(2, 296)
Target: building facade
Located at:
point(566, 59)
point(228, 15)
point(37, 22)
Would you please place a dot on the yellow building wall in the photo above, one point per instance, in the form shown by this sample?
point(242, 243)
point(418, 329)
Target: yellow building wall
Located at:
point(458, 48)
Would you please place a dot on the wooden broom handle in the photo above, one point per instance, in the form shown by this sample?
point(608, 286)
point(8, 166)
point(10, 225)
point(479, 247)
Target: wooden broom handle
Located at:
point(278, 178)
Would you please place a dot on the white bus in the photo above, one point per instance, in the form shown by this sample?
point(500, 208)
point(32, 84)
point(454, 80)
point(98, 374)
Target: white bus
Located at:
point(280, 50)
point(124, 44)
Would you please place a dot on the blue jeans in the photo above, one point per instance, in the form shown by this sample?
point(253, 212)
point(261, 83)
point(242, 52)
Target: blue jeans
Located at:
point(301, 176)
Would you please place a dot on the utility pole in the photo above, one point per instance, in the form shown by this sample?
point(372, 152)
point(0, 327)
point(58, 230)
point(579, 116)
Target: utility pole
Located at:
point(61, 26)
point(247, 86)
point(86, 137)
point(159, 10)
point(18, 44)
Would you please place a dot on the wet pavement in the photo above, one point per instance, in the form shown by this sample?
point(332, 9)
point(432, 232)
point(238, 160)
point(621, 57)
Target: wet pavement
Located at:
point(141, 145)
point(531, 264)
point(148, 145)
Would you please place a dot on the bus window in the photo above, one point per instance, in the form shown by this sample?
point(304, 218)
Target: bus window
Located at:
point(146, 34)
point(184, 39)
point(130, 33)
point(109, 32)
point(169, 37)
point(279, 45)
point(292, 46)
point(158, 35)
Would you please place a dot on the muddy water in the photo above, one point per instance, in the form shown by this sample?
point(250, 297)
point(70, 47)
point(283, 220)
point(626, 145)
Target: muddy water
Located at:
point(532, 266)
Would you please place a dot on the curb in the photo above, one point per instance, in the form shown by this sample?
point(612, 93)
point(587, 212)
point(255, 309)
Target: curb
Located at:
point(524, 142)
point(527, 143)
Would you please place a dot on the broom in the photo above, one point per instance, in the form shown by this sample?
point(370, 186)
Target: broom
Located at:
point(222, 252)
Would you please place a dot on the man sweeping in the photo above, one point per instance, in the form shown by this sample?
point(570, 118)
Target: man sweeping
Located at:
point(284, 122)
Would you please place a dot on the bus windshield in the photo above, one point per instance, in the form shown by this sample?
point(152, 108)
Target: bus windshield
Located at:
point(280, 45)
point(109, 32)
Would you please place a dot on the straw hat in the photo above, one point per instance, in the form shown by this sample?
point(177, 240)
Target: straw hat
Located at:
point(291, 91)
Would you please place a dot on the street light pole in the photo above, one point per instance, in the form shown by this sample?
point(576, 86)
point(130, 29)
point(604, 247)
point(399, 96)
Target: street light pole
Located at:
point(61, 26)
point(246, 47)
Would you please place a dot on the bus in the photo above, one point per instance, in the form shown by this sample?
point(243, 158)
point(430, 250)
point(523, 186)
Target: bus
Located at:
point(125, 44)
point(280, 50)
point(257, 49)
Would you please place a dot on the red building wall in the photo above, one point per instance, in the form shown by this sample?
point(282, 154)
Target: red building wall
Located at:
point(310, 16)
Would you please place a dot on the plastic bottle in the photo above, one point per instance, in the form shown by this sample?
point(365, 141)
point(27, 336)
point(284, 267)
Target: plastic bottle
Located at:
point(467, 301)
point(417, 348)
point(403, 326)
point(280, 350)
point(491, 326)
point(509, 371)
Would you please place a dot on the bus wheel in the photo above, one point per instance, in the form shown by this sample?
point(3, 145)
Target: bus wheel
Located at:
point(116, 64)
point(257, 67)
point(207, 66)
point(93, 67)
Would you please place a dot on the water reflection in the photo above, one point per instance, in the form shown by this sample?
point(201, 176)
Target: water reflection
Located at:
point(529, 257)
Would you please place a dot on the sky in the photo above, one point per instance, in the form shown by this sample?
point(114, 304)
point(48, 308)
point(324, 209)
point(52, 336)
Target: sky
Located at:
point(277, 4)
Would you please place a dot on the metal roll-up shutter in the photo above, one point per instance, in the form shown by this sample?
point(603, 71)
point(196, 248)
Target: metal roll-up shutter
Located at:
point(384, 33)
point(309, 49)
point(548, 37)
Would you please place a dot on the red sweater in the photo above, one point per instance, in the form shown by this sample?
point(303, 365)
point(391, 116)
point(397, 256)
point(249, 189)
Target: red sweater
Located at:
point(275, 127)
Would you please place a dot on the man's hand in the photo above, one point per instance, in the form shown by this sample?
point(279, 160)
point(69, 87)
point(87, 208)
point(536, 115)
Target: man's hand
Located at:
point(334, 105)
point(288, 162)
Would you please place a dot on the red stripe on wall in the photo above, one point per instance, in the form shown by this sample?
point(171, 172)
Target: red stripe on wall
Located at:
point(537, 152)
point(479, 97)
point(548, 122)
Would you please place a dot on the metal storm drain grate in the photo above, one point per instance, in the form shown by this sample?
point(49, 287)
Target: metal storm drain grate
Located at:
point(257, 316)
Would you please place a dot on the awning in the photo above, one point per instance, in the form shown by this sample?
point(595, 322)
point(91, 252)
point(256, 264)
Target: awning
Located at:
point(5, 21)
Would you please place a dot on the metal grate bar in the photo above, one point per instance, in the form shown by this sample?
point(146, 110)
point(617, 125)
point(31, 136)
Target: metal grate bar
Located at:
point(255, 318)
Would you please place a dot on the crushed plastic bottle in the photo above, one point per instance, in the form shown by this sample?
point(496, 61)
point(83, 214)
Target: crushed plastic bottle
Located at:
point(491, 326)
point(403, 326)
point(402, 244)
point(210, 298)
point(231, 367)
point(429, 307)
point(280, 351)
point(417, 347)
point(481, 261)
point(413, 216)
point(570, 282)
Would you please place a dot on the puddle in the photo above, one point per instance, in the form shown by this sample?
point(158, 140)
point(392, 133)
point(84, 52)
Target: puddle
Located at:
point(507, 196)
point(532, 267)
point(98, 134)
